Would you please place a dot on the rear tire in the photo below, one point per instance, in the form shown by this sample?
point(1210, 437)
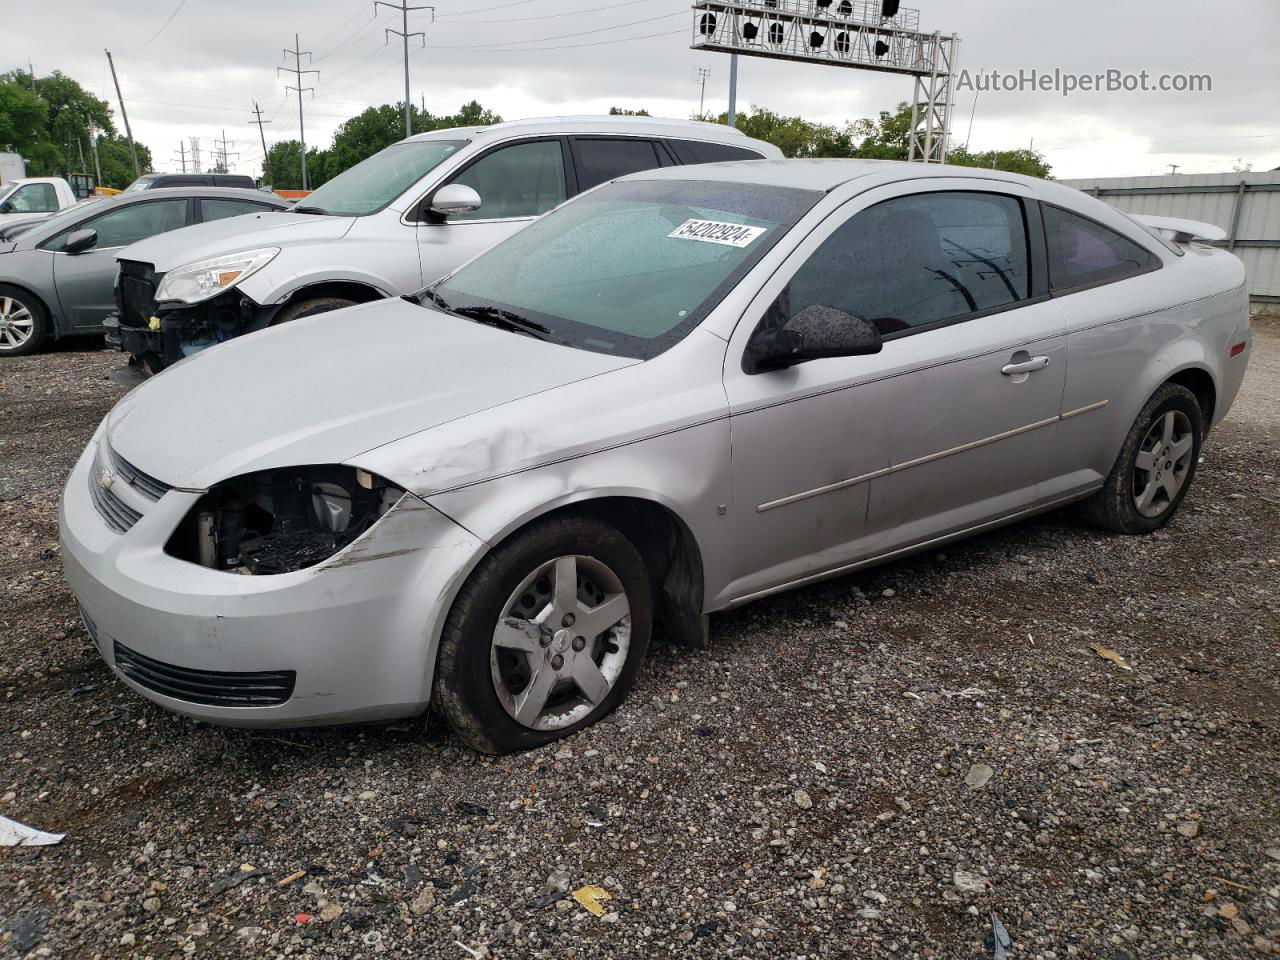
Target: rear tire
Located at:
point(24, 322)
point(1156, 465)
point(522, 664)
point(309, 308)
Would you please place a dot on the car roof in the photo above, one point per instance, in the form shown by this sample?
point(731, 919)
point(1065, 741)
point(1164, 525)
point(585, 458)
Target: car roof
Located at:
point(197, 190)
point(823, 174)
point(649, 126)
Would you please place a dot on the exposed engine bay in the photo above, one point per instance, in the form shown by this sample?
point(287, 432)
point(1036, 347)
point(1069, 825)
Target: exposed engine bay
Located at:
point(279, 521)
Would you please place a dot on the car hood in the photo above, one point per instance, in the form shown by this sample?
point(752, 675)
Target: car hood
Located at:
point(233, 235)
point(327, 388)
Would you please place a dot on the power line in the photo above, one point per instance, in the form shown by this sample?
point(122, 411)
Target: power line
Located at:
point(567, 46)
point(177, 10)
point(501, 6)
point(548, 16)
point(567, 36)
point(329, 36)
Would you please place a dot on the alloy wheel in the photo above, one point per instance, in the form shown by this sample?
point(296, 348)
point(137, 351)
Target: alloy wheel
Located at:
point(16, 323)
point(561, 644)
point(1163, 462)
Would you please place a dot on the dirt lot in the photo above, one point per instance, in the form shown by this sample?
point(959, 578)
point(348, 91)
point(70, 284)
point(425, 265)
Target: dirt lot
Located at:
point(798, 790)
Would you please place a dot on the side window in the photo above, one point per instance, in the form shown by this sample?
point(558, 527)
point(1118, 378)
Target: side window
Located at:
point(522, 180)
point(917, 260)
point(694, 151)
point(603, 159)
point(126, 225)
point(220, 209)
point(34, 198)
point(1083, 253)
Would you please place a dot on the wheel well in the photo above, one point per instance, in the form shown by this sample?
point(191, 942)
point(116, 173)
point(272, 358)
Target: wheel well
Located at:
point(1200, 383)
point(346, 289)
point(670, 553)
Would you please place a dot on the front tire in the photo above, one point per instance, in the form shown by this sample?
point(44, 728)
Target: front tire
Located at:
point(309, 308)
point(1156, 465)
point(546, 636)
point(24, 323)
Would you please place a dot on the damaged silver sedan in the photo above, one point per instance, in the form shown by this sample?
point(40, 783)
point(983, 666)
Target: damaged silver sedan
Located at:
point(677, 393)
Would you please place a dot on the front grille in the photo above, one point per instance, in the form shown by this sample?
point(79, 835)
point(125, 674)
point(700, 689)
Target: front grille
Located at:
point(136, 293)
point(144, 483)
point(213, 688)
point(119, 515)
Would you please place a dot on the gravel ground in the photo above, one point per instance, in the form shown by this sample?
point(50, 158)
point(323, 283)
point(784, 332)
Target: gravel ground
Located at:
point(866, 768)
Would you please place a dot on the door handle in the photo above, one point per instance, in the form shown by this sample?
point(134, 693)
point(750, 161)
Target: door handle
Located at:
point(1024, 366)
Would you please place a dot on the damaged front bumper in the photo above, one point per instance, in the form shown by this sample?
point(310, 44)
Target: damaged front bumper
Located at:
point(158, 335)
point(350, 639)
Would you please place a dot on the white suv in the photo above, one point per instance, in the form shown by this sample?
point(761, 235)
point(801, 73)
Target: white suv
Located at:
point(388, 226)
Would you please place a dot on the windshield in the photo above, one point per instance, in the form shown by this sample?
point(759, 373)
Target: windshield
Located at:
point(5, 191)
point(373, 183)
point(142, 183)
point(631, 268)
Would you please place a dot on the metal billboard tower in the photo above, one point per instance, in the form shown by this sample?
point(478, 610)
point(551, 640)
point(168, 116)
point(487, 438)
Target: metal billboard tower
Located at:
point(859, 34)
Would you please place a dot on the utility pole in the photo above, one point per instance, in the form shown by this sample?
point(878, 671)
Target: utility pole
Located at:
point(404, 34)
point(80, 150)
point(733, 90)
point(182, 155)
point(266, 173)
point(703, 74)
point(93, 148)
point(223, 165)
point(32, 70)
point(133, 152)
point(1173, 167)
point(298, 72)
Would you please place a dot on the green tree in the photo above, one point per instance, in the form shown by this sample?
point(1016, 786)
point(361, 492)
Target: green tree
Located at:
point(624, 112)
point(1029, 162)
point(113, 158)
point(365, 134)
point(284, 160)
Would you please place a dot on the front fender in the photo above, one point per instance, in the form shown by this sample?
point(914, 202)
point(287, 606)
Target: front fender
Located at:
point(274, 285)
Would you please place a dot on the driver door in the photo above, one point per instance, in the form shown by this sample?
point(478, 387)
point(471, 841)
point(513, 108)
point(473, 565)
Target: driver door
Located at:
point(517, 183)
point(86, 281)
point(840, 460)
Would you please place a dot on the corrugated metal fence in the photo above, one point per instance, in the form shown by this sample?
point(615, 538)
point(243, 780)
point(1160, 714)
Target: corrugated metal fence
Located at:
point(1246, 205)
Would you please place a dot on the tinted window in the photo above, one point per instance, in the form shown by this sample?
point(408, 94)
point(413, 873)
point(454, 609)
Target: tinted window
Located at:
point(692, 151)
point(1082, 253)
point(917, 260)
point(127, 225)
point(219, 209)
point(601, 160)
point(522, 180)
point(34, 198)
point(234, 180)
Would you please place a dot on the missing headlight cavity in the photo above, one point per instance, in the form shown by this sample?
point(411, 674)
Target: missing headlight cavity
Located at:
point(282, 520)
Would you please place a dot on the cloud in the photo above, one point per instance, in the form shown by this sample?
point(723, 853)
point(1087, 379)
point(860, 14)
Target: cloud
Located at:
point(539, 57)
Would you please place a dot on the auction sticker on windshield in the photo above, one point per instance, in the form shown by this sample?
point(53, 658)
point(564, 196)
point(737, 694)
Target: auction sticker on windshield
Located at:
point(713, 231)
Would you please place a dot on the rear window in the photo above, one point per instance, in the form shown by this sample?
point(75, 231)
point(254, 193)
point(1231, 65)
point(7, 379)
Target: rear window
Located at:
point(600, 160)
point(1084, 253)
point(695, 151)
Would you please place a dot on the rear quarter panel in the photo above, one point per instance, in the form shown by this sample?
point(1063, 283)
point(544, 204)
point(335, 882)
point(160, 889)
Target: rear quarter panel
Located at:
point(1126, 339)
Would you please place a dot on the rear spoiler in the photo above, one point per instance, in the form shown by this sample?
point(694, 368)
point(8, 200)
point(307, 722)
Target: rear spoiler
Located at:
point(1179, 230)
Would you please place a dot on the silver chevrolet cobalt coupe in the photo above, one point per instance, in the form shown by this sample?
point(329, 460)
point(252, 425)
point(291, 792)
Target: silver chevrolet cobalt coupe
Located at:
point(679, 392)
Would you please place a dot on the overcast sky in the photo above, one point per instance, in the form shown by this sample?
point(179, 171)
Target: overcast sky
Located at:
point(199, 74)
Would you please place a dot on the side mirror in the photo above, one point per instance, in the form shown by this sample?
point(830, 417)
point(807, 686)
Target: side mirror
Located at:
point(80, 241)
point(453, 198)
point(816, 332)
point(6, 207)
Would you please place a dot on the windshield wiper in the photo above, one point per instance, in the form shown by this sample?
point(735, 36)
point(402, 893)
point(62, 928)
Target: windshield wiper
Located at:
point(503, 319)
point(430, 294)
point(307, 209)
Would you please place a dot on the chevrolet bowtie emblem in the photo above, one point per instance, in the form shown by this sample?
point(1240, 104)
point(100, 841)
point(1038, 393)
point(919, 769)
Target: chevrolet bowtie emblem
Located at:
point(106, 477)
